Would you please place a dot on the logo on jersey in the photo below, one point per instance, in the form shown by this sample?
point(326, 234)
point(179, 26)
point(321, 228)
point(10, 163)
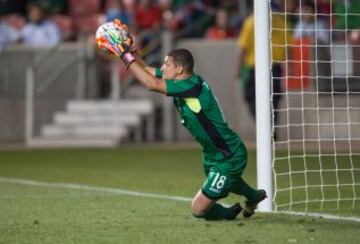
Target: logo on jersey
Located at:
point(193, 103)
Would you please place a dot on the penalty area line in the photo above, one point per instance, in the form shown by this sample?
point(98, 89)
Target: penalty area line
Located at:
point(114, 191)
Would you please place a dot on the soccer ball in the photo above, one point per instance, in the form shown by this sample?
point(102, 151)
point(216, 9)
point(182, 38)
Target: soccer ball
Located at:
point(110, 33)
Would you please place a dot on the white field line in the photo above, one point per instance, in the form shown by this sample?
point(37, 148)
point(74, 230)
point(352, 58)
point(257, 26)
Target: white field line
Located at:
point(117, 191)
point(317, 215)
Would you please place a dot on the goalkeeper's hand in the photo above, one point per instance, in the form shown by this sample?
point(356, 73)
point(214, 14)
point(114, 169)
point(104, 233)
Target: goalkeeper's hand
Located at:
point(131, 43)
point(121, 25)
point(125, 49)
point(124, 52)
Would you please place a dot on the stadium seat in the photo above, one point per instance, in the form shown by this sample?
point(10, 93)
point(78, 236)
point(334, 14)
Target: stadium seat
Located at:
point(80, 8)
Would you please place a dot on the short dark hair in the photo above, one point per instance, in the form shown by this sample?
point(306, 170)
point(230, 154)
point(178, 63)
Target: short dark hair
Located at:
point(184, 58)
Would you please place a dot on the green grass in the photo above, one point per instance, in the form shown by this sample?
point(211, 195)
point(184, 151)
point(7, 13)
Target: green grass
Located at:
point(35, 214)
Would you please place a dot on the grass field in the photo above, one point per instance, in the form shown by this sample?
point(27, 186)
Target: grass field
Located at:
point(75, 196)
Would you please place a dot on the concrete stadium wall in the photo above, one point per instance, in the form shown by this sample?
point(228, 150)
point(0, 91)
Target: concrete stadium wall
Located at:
point(13, 65)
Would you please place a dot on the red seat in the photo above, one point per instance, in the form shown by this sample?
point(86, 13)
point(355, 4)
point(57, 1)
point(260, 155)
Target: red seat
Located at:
point(84, 7)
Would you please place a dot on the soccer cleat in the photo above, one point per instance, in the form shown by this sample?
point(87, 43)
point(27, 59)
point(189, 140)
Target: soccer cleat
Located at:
point(249, 208)
point(236, 209)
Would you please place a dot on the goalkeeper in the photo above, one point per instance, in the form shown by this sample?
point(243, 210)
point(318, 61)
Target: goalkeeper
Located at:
point(224, 154)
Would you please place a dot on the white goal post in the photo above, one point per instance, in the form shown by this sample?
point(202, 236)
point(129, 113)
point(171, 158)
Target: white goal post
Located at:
point(263, 123)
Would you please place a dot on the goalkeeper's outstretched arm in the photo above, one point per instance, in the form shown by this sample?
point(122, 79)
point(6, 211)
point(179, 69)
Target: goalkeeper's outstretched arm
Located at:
point(142, 71)
point(146, 76)
point(126, 51)
point(141, 62)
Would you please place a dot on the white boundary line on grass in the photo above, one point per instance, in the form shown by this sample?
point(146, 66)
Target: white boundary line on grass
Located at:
point(117, 191)
point(316, 215)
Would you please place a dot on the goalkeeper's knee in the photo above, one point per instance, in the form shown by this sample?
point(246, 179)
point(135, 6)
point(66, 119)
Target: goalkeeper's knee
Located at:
point(197, 215)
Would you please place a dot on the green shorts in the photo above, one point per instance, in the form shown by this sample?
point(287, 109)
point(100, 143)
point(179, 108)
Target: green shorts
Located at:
point(221, 177)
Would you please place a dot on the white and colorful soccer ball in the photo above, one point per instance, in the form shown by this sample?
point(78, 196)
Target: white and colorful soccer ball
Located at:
point(110, 33)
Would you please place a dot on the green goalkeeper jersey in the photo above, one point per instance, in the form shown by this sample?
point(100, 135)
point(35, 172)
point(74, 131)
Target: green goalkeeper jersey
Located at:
point(202, 116)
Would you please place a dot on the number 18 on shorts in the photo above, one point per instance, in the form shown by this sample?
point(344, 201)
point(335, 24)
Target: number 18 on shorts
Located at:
point(216, 185)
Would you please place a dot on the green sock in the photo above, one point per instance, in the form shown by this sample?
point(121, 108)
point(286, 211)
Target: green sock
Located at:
point(219, 212)
point(242, 188)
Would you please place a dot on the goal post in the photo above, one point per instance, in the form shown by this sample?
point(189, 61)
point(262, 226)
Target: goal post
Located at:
point(262, 85)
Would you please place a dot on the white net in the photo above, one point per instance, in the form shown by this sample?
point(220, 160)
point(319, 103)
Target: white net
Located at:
point(316, 125)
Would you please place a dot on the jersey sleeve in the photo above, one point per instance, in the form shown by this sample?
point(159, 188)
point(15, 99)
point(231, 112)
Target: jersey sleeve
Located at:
point(183, 88)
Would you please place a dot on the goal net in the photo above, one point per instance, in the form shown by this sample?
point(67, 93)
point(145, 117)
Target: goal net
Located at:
point(316, 125)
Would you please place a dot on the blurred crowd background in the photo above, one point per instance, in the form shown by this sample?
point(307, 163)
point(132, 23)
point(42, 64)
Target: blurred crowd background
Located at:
point(48, 22)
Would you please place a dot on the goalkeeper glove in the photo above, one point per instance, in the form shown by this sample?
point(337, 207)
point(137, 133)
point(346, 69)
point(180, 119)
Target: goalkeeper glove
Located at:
point(125, 53)
point(125, 49)
point(120, 25)
point(132, 46)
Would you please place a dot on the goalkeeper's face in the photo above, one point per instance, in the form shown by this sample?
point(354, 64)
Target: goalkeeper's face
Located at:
point(169, 69)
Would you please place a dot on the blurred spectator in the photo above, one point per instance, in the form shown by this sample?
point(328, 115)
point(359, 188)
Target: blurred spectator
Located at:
point(117, 10)
point(39, 31)
point(148, 19)
point(278, 5)
point(347, 14)
point(348, 19)
point(64, 24)
point(291, 7)
point(222, 28)
point(310, 26)
point(86, 17)
point(324, 6)
point(281, 37)
point(16, 21)
point(177, 4)
point(324, 10)
point(10, 21)
point(147, 15)
point(8, 33)
point(191, 20)
point(53, 6)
